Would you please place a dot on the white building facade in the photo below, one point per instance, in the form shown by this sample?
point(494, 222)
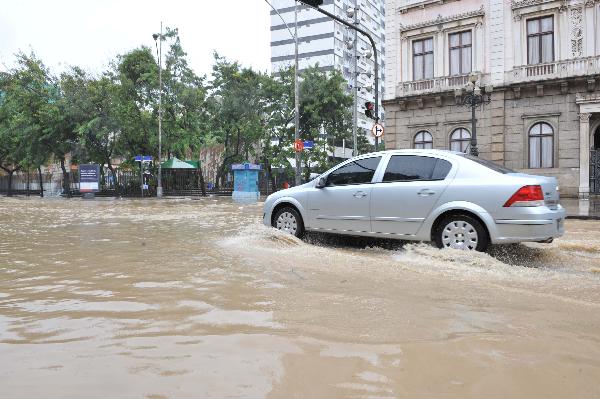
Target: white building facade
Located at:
point(324, 42)
point(537, 60)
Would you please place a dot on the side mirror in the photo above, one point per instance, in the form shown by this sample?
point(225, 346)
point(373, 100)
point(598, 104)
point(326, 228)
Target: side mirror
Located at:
point(322, 182)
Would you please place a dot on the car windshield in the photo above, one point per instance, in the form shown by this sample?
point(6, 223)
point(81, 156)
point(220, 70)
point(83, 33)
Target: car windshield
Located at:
point(488, 164)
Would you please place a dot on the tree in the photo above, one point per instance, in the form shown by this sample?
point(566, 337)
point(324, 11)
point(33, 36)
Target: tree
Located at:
point(32, 123)
point(92, 104)
point(135, 75)
point(325, 114)
point(237, 116)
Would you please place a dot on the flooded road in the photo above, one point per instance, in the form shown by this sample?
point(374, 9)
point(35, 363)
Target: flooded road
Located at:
point(196, 299)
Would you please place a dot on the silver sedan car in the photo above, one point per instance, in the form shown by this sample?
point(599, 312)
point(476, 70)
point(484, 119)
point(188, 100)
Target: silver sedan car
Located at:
point(453, 199)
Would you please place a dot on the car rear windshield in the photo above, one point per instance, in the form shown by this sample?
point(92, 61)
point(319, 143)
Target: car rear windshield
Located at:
point(488, 164)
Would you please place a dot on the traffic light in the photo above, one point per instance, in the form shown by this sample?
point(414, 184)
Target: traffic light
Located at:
point(369, 108)
point(312, 3)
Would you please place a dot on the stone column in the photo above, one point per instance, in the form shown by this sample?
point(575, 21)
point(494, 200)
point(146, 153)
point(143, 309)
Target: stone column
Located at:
point(584, 155)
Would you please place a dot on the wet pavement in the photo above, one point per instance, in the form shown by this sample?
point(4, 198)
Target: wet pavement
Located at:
point(196, 299)
point(588, 209)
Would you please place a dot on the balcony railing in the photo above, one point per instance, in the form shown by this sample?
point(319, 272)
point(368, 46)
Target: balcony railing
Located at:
point(554, 70)
point(435, 85)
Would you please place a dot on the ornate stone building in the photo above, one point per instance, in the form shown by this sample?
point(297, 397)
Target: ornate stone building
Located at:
point(537, 60)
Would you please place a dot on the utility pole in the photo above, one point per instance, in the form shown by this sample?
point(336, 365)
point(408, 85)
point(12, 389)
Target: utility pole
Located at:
point(296, 85)
point(159, 188)
point(297, 97)
point(355, 88)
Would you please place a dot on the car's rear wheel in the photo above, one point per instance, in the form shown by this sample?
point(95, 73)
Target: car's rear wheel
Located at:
point(289, 221)
point(461, 232)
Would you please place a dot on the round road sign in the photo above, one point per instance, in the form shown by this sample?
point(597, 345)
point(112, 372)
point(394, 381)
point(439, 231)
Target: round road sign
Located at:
point(377, 130)
point(298, 145)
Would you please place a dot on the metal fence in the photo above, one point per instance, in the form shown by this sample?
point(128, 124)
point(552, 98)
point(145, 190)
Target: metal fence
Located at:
point(128, 183)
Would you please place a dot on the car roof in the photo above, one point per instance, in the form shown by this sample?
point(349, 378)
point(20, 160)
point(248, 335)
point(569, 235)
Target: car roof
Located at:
point(416, 151)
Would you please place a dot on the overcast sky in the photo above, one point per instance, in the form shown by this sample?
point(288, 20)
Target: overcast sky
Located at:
point(89, 33)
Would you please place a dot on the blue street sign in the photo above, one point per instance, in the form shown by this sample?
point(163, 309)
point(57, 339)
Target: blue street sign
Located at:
point(308, 144)
point(143, 158)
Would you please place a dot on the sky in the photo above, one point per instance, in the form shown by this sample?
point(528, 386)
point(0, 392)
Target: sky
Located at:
point(89, 33)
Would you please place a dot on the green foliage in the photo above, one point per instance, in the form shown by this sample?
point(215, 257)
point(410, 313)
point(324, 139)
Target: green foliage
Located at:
point(114, 116)
point(32, 126)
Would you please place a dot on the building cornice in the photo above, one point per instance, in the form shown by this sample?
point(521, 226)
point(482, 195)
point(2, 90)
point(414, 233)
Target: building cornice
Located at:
point(564, 4)
point(442, 20)
point(516, 4)
point(542, 115)
point(422, 5)
point(587, 98)
point(419, 125)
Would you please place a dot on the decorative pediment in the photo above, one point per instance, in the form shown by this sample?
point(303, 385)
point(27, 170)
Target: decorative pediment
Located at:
point(421, 5)
point(439, 21)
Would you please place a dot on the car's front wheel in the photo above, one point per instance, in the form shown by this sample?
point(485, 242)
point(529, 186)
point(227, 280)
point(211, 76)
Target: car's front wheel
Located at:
point(289, 220)
point(461, 232)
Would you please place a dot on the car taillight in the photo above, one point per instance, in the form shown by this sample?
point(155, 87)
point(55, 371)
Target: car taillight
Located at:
point(527, 196)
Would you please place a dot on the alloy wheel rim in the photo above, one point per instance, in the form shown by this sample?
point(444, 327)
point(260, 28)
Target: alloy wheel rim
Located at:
point(287, 222)
point(459, 234)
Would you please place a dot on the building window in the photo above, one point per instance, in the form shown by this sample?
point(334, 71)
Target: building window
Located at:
point(460, 140)
point(460, 53)
point(540, 40)
point(541, 146)
point(423, 140)
point(423, 59)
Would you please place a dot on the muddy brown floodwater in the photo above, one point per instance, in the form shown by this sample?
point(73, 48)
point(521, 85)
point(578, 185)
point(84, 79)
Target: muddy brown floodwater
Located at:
point(196, 299)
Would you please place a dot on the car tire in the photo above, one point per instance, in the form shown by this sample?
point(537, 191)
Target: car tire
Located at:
point(288, 220)
point(460, 231)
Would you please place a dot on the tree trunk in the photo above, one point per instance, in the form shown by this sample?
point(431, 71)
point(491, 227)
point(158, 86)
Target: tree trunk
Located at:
point(201, 180)
point(66, 178)
point(114, 177)
point(270, 178)
point(222, 170)
point(27, 182)
point(10, 175)
point(41, 181)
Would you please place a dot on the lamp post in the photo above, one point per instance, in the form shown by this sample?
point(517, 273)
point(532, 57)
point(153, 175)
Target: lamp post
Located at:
point(159, 188)
point(473, 99)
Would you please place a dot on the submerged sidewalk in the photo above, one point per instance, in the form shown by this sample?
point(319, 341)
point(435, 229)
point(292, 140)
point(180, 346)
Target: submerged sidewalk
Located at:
point(582, 209)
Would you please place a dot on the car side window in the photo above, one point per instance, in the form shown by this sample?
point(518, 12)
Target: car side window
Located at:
point(412, 167)
point(441, 170)
point(360, 171)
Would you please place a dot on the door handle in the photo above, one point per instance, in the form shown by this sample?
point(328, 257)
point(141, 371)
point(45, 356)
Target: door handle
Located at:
point(360, 194)
point(426, 193)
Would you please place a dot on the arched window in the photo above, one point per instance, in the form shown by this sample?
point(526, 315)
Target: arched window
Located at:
point(597, 139)
point(541, 146)
point(423, 140)
point(460, 140)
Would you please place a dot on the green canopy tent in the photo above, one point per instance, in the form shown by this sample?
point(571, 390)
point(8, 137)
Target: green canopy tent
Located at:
point(175, 163)
point(182, 177)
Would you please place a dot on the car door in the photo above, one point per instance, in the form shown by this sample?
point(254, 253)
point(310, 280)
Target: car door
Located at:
point(343, 204)
point(408, 191)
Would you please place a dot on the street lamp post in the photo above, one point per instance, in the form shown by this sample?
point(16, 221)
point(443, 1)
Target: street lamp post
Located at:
point(159, 188)
point(474, 99)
